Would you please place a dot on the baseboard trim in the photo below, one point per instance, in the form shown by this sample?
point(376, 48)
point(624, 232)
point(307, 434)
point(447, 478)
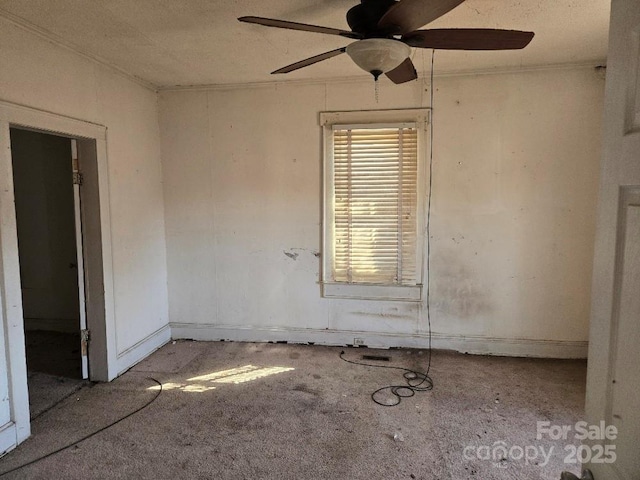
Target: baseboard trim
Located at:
point(476, 345)
point(142, 349)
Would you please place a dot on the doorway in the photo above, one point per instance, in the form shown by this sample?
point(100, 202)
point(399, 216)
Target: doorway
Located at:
point(49, 227)
point(95, 219)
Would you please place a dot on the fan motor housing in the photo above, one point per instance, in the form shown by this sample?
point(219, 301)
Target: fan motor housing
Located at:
point(364, 18)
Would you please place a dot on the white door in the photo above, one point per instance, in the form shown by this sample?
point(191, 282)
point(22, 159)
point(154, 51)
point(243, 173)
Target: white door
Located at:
point(614, 352)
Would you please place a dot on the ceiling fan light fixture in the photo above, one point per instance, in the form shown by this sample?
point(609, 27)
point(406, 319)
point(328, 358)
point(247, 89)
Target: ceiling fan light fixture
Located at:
point(378, 55)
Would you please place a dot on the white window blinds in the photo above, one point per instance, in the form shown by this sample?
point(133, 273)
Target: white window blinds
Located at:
point(375, 204)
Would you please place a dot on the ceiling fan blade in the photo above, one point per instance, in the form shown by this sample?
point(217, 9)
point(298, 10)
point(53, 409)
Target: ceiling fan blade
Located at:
point(405, 72)
point(270, 22)
point(311, 61)
point(468, 39)
point(409, 15)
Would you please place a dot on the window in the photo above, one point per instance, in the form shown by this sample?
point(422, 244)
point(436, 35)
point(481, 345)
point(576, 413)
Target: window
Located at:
point(373, 206)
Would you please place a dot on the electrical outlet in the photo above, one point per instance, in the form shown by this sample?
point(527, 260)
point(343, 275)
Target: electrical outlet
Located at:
point(358, 341)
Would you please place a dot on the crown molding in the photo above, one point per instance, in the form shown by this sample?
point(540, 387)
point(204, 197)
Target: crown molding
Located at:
point(593, 64)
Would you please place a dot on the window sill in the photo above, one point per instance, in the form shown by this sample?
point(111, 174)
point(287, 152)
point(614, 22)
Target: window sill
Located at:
point(406, 293)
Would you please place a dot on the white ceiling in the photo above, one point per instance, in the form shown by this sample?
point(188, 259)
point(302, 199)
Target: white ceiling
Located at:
point(200, 42)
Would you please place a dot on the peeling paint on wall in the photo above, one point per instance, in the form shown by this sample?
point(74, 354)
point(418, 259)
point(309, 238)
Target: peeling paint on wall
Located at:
point(291, 255)
point(294, 253)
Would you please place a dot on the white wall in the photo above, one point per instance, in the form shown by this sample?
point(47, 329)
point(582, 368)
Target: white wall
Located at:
point(515, 175)
point(39, 74)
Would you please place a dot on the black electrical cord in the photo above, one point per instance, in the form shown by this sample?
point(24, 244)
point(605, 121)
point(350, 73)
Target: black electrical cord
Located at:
point(86, 437)
point(32, 419)
point(416, 381)
point(428, 279)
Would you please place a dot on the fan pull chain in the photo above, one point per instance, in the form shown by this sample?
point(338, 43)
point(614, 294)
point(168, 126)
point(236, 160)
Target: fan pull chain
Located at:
point(377, 90)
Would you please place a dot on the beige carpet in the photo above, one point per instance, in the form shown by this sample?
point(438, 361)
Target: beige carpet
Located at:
point(272, 411)
point(46, 391)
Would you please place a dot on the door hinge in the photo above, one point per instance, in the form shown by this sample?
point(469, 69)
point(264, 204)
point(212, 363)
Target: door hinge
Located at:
point(77, 178)
point(85, 337)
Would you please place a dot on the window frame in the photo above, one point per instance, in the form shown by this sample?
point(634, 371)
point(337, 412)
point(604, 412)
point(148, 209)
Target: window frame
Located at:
point(372, 119)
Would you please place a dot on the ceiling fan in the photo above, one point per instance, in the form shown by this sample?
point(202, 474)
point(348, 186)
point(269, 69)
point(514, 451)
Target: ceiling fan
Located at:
point(386, 30)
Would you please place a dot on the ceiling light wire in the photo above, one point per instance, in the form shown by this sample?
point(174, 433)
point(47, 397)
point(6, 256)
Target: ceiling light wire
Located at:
point(430, 196)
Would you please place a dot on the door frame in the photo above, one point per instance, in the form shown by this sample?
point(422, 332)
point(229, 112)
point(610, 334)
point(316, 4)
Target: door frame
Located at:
point(79, 242)
point(92, 151)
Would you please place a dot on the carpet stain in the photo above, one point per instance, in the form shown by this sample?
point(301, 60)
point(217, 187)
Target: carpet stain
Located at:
point(302, 387)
